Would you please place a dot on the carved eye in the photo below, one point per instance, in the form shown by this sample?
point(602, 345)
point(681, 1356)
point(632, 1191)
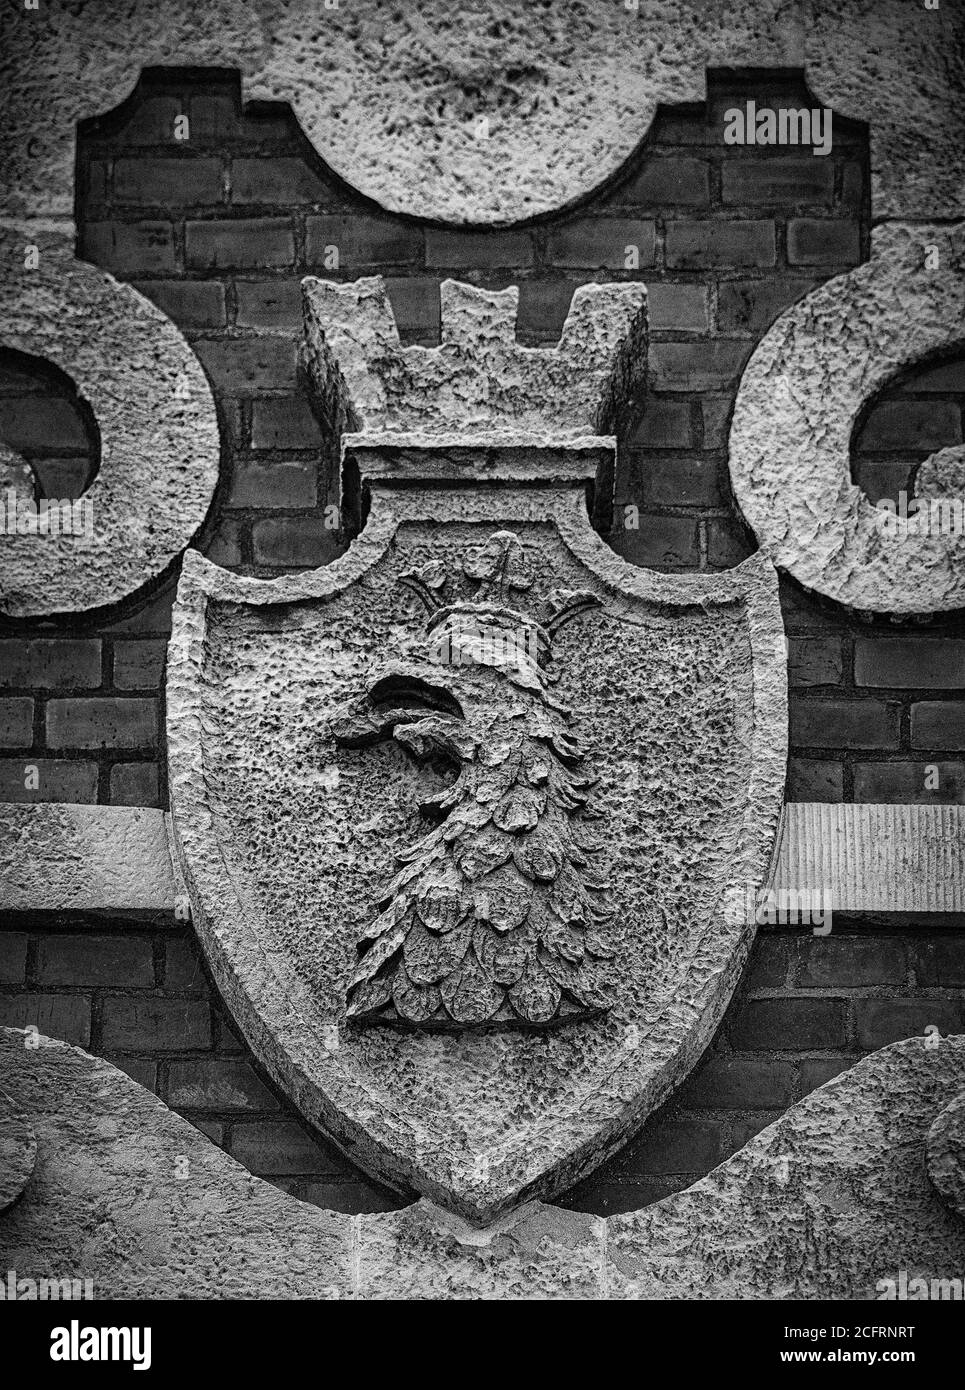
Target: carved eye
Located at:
point(401, 691)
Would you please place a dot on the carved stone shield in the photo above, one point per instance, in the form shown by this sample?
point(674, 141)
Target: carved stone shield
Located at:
point(476, 886)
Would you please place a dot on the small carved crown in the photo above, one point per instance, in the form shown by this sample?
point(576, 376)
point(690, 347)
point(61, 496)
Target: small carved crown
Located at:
point(479, 383)
point(491, 629)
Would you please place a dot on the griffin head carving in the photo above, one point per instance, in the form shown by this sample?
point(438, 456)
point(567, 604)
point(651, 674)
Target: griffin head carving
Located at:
point(495, 917)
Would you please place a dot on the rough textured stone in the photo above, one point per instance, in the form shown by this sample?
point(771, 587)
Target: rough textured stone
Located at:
point(58, 857)
point(875, 858)
point(946, 1153)
point(393, 98)
point(130, 1196)
point(681, 673)
point(826, 1203)
point(799, 400)
point(158, 432)
point(18, 1152)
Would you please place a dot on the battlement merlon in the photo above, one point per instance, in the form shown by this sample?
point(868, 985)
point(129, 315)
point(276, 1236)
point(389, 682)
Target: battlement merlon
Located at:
point(480, 404)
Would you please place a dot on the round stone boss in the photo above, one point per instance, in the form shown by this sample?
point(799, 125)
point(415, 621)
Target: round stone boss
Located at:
point(802, 393)
point(159, 441)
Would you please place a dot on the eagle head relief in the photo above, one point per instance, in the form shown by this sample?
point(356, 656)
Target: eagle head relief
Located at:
point(497, 916)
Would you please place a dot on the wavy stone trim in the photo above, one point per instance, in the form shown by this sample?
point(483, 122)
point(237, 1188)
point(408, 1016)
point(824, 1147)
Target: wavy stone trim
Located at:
point(392, 98)
point(835, 1192)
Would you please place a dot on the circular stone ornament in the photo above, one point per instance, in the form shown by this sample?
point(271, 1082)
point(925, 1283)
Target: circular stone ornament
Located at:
point(160, 446)
point(801, 396)
point(946, 1154)
point(18, 1151)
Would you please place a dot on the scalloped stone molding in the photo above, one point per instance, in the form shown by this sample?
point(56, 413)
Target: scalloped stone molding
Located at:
point(392, 96)
point(160, 446)
point(799, 400)
point(835, 1193)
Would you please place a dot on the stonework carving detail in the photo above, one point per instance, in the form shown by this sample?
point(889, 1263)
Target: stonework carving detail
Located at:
point(498, 914)
point(799, 400)
point(155, 413)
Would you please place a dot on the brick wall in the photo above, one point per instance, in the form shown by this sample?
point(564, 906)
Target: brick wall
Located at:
point(218, 230)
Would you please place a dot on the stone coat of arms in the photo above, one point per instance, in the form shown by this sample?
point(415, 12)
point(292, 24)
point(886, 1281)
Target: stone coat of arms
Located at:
point(471, 818)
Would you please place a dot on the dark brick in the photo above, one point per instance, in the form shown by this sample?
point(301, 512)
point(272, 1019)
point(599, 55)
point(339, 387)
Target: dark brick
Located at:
point(662, 540)
point(939, 962)
point(13, 957)
point(810, 779)
point(705, 245)
point(217, 1084)
point(190, 303)
point(878, 479)
point(716, 418)
point(16, 722)
point(815, 661)
point(415, 304)
point(147, 1024)
point(682, 482)
point(152, 121)
point(919, 425)
point(679, 180)
point(139, 665)
point(910, 663)
point(836, 961)
point(213, 1129)
point(62, 477)
point(292, 542)
point(543, 307)
point(739, 1082)
point(902, 782)
point(949, 377)
point(843, 724)
point(852, 187)
point(600, 243)
point(256, 241)
point(352, 1198)
point(46, 664)
point(181, 182)
point(772, 956)
point(817, 1071)
point(938, 724)
point(182, 971)
point(129, 247)
point(751, 306)
point(65, 1016)
point(686, 1145)
point(224, 547)
point(139, 1069)
point(284, 424)
point(95, 960)
point(478, 250)
point(789, 1025)
point(678, 307)
point(272, 180)
point(269, 304)
point(134, 784)
point(883, 1021)
point(784, 179)
point(709, 365)
point(727, 543)
point(279, 1147)
point(41, 422)
point(665, 425)
point(286, 484)
point(822, 241)
point(58, 780)
point(214, 116)
point(107, 722)
point(95, 184)
point(250, 364)
point(362, 241)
